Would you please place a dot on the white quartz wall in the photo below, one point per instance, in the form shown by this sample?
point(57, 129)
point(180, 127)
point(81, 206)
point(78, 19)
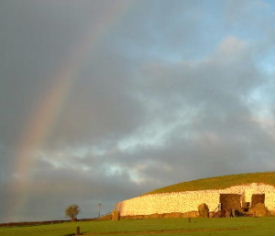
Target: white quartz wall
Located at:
point(189, 200)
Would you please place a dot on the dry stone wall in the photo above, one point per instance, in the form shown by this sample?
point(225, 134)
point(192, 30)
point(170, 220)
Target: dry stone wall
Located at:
point(189, 200)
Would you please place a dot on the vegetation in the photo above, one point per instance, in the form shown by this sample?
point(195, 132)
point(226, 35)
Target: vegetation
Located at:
point(219, 182)
point(72, 211)
point(245, 226)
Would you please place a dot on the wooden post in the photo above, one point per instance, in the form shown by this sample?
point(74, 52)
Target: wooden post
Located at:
point(77, 230)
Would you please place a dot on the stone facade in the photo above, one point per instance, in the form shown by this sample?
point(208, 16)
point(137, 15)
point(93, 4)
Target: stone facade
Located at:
point(189, 200)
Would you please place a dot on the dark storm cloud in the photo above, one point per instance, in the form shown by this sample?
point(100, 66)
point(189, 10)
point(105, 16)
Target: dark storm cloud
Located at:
point(36, 40)
point(174, 91)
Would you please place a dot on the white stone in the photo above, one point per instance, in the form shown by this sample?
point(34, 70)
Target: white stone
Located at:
point(189, 200)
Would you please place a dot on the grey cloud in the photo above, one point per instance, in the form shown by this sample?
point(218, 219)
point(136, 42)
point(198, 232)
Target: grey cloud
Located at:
point(37, 38)
point(56, 188)
point(222, 132)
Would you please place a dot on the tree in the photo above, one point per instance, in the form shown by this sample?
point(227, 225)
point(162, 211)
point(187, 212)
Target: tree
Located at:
point(72, 211)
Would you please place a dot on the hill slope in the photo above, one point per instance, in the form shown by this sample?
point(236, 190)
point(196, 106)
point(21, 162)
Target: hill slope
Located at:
point(219, 182)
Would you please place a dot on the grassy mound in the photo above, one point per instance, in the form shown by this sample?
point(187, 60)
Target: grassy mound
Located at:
point(220, 182)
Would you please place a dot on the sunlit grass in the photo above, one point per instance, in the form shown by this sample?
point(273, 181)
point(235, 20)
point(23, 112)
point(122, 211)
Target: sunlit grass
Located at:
point(220, 182)
point(220, 227)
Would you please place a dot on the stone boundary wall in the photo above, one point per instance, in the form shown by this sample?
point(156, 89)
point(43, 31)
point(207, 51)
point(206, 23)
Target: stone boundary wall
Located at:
point(189, 200)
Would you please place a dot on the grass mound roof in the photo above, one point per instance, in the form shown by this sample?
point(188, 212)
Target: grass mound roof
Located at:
point(219, 182)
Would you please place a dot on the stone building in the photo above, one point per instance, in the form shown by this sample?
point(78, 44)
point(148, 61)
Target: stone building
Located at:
point(237, 197)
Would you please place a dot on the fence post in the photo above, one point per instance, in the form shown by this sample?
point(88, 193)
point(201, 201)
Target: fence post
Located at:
point(77, 230)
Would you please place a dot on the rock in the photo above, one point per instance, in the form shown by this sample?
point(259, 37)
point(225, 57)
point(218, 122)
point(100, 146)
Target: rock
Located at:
point(190, 214)
point(228, 213)
point(154, 216)
point(237, 213)
point(217, 214)
point(259, 210)
point(115, 215)
point(203, 210)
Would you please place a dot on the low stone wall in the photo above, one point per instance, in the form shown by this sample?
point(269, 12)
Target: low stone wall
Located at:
point(192, 214)
point(189, 200)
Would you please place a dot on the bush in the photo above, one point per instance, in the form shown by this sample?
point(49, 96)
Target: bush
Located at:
point(72, 211)
point(259, 210)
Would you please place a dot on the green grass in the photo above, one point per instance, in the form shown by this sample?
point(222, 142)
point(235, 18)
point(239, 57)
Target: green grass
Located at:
point(219, 182)
point(162, 227)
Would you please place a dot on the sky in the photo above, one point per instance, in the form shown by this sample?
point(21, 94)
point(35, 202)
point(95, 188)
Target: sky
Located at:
point(102, 100)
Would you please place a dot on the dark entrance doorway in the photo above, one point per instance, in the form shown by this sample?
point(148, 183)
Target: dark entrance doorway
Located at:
point(257, 198)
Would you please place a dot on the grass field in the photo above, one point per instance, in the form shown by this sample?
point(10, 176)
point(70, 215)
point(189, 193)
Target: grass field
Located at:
point(219, 182)
point(164, 227)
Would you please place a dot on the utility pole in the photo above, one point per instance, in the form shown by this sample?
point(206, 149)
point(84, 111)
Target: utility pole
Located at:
point(99, 205)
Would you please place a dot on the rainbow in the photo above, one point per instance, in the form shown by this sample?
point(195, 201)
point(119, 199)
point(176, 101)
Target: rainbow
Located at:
point(42, 121)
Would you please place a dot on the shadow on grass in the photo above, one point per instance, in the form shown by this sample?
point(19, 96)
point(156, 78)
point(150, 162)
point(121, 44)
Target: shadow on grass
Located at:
point(152, 232)
point(73, 234)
